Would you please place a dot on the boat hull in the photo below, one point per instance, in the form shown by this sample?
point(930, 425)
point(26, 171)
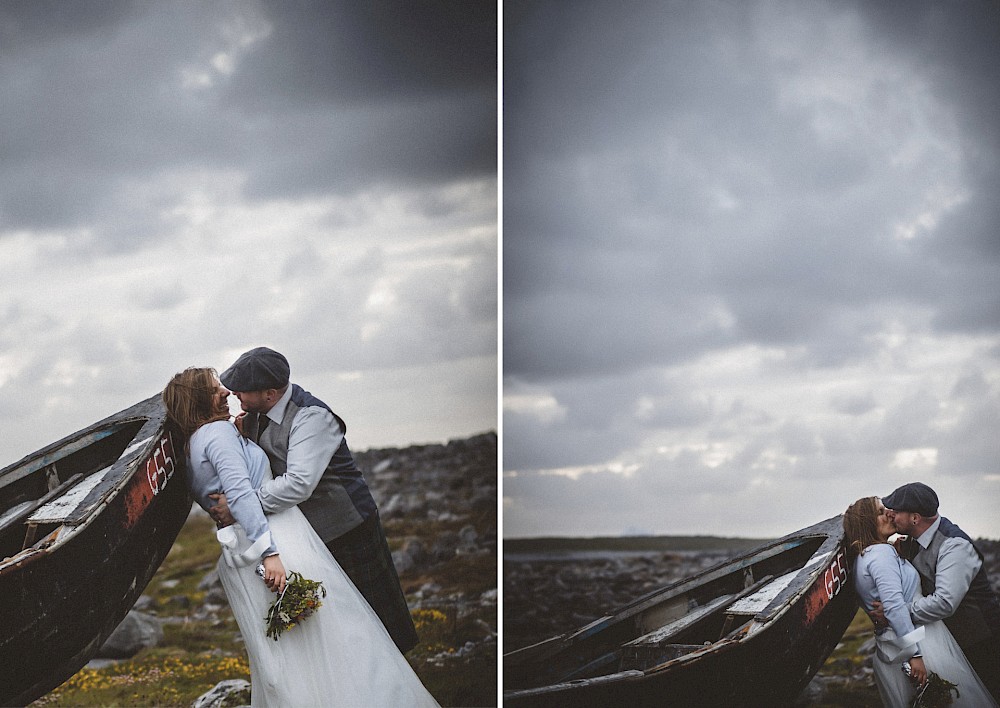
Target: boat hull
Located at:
point(59, 604)
point(768, 665)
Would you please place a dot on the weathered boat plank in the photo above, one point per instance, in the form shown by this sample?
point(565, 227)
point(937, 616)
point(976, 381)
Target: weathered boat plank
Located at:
point(750, 631)
point(89, 547)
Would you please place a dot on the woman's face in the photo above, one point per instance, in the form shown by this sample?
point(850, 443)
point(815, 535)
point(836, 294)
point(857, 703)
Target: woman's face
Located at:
point(886, 527)
point(220, 399)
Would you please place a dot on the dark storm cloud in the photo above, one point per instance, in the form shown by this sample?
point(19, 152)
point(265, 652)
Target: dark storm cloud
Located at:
point(619, 127)
point(399, 91)
point(959, 44)
point(103, 114)
point(768, 229)
point(360, 53)
point(24, 22)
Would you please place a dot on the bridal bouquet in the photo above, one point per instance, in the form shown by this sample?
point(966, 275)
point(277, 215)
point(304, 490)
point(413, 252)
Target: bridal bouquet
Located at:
point(300, 598)
point(936, 693)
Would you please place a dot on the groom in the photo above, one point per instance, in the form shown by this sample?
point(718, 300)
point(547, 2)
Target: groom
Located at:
point(955, 586)
point(314, 469)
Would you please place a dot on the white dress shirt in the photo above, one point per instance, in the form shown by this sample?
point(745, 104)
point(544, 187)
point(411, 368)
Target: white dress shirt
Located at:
point(314, 437)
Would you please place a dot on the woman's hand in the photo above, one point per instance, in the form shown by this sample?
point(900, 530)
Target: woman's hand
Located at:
point(918, 672)
point(274, 573)
point(238, 422)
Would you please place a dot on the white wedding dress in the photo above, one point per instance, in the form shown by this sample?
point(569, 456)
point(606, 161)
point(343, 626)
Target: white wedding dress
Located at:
point(880, 574)
point(943, 656)
point(342, 655)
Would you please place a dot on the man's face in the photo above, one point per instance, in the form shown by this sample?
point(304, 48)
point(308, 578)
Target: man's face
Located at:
point(903, 521)
point(254, 401)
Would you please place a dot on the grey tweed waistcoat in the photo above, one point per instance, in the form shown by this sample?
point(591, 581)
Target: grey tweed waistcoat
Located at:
point(978, 615)
point(341, 500)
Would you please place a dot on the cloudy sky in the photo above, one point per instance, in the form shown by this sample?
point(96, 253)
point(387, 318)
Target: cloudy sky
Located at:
point(751, 262)
point(181, 181)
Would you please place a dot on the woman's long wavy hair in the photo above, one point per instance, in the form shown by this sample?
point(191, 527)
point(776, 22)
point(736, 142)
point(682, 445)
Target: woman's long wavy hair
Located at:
point(189, 399)
point(861, 524)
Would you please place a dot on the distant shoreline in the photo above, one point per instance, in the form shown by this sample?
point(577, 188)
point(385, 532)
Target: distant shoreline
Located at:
point(565, 544)
point(572, 546)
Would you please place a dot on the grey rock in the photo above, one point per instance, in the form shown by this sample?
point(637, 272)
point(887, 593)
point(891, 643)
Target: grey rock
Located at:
point(445, 546)
point(468, 535)
point(814, 692)
point(211, 580)
point(225, 692)
point(428, 590)
point(868, 647)
point(415, 549)
point(136, 632)
point(144, 603)
point(412, 556)
point(402, 562)
point(216, 596)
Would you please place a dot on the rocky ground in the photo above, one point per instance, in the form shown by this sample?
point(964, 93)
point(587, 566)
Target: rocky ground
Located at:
point(545, 595)
point(438, 505)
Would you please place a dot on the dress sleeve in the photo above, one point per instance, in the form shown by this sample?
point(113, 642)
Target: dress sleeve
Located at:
point(885, 571)
point(224, 450)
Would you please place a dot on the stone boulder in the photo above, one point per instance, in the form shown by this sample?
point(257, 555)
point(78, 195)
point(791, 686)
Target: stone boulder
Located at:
point(232, 692)
point(136, 632)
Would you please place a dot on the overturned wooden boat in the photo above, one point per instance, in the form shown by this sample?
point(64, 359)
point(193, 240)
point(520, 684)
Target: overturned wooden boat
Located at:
point(750, 631)
point(84, 525)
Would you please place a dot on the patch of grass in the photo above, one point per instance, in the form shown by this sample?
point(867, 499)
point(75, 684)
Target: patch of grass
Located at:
point(199, 637)
point(152, 680)
point(453, 679)
point(196, 654)
point(471, 574)
point(398, 529)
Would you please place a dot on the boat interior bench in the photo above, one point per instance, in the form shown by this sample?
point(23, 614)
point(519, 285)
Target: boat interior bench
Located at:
point(734, 611)
point(22, 512)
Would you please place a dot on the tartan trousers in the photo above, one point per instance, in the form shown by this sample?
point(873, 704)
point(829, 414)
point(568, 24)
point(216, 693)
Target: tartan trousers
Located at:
point(363, 553)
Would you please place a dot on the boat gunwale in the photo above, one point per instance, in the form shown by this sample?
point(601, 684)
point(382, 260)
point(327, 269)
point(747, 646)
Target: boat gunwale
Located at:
point(117, 475)
point(675, 589)
point(782, 603)
point(807, 575)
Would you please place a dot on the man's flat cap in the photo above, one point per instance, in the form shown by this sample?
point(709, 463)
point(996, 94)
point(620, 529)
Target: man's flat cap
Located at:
point(916, 497)
point(256, 370)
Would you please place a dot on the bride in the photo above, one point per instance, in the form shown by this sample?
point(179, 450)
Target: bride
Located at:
point(342, 654)
point(880, 574)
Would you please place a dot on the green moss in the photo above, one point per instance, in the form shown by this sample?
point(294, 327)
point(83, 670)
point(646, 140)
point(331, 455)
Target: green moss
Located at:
point(149, 680)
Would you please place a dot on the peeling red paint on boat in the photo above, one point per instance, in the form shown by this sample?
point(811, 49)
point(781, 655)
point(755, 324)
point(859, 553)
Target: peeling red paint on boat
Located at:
point(160, 467)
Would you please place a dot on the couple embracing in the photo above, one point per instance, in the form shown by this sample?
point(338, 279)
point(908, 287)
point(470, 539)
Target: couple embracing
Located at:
point(289, 500)
point(936, 615)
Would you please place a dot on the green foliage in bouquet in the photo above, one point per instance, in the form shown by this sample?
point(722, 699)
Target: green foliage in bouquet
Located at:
point(300, 598)
point(936, 693)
